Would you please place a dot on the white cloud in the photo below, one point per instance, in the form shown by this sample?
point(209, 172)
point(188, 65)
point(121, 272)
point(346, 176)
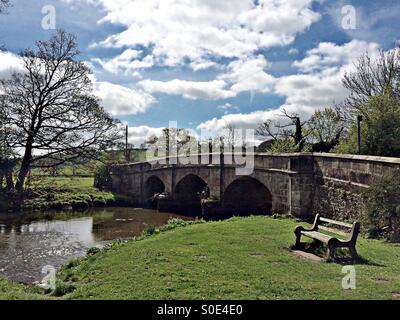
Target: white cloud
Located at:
point(140, 134)
point(175, 30)
point(227, 107)
point(128, 62)
point(9, 63)
point(209, 90)
point(250, 120)
point(318, 85)
point(120, 100)
point(248, 75)
point(329, 54)
point(241, 75)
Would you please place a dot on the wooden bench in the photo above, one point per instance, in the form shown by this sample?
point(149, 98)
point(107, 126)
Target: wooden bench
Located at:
point(347, 240)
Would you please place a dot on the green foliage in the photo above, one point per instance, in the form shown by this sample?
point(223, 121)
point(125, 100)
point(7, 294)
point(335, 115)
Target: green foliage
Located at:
point(92, 251)
point(102, 177)
point(284, 145)
point(382, 202)
point(149, 230)
point(380, 129)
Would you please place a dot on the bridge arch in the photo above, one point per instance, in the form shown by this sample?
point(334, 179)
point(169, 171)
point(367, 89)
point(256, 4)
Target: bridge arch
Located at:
point(186, 194)
point(152, 186)
point(247, 195)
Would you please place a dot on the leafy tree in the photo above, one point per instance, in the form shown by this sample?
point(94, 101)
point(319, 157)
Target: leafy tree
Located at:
point(52, 109)
point(321, 133)
point(382, 204)
point(172, 141)
point(325, 129)
point(372, 77)
point(380, 128)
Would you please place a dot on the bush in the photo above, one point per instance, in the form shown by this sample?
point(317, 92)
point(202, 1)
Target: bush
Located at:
point(382, 205)
point(102, 177)
point(149, 230)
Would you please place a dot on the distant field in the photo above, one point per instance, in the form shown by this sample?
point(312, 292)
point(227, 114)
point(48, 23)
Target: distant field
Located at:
point(88, 169)
point(81, 183)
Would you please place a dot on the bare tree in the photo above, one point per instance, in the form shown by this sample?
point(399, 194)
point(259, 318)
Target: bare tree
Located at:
point(51, 107)
point(293, 129)
point(372, 77)
point(4, 4)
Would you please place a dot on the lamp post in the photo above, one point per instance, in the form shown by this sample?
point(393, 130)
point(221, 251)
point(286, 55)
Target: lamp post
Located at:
point(359, 119)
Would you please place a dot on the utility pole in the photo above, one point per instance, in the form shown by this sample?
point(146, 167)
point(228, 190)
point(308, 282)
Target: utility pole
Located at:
point(359, 119)
point(126, 144)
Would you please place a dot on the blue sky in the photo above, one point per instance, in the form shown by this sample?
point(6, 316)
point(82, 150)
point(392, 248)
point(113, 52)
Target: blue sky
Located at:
point(208, 64)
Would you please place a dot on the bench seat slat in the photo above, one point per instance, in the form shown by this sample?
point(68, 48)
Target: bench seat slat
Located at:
point(335, 231)
point(339, 223)
point(317, 235)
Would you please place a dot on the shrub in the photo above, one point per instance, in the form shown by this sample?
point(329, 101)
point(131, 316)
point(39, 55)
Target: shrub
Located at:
point(149, 230)
point(382, 205)
point(92, 251)
point(102, 177)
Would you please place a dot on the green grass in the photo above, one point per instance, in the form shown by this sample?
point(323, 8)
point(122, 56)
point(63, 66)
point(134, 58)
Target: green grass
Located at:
point(69, 192)
point(12, 291)
point(242, 258)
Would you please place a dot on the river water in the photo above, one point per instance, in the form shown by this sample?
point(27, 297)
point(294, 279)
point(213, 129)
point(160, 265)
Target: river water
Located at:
point(30, 241)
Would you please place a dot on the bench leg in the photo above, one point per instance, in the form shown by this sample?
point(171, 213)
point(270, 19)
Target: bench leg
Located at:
point(297, 232)
point(353, 252)
point(331, 249)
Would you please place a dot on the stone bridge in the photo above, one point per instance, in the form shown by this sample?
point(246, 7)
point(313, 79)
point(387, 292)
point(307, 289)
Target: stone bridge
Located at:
point(301, 184)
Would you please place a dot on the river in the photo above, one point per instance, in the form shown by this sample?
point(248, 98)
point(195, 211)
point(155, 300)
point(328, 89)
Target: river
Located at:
point(30, 241)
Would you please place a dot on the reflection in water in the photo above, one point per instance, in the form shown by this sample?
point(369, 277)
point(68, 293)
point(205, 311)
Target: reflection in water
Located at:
point(30, 241)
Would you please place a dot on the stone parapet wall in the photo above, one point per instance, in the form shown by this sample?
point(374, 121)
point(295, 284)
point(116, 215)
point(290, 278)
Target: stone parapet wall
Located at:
point(302, 184)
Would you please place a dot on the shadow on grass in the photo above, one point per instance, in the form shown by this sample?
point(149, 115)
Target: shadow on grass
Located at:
point(342, 255)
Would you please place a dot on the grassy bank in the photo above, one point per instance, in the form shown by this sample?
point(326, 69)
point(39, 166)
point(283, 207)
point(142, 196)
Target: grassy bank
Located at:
point(243, 258)
point(12, 291)
point(47, 193)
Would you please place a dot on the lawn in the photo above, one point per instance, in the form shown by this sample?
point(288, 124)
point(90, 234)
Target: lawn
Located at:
point(242, 258)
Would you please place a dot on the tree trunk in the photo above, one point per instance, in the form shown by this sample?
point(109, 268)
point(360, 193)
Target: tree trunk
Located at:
point(25, 167)
point(9, 179)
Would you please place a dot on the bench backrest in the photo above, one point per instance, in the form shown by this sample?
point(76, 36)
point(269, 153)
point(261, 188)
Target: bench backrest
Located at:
point(354, 229)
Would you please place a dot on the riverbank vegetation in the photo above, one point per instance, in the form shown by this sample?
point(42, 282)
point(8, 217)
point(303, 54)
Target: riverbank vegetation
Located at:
point(66, 192)
point(241, 258)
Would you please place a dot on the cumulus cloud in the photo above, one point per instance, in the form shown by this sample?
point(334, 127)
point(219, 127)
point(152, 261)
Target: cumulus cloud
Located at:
point(227, 107)
point(248, 75)
point(329, 54)
point(120, 100)
point(241, 75)
point(129, 62)
point(140, 134)
point(9, 63)
point(209, 90)
point(176, 30)
point(317, 85)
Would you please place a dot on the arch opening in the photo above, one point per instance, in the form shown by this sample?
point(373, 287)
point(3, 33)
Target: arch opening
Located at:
point(153, 186)
point(187, 195)
point(247, 196)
